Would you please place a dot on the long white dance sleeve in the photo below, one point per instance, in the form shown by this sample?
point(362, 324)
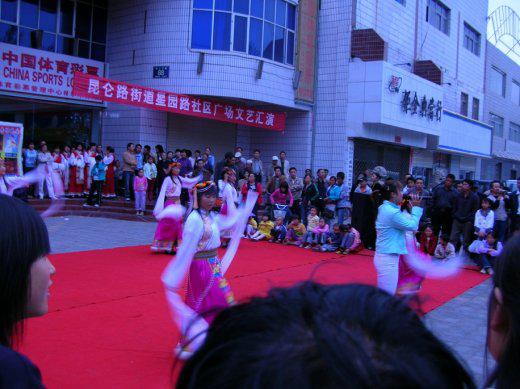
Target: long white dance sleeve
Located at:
point(186, 318)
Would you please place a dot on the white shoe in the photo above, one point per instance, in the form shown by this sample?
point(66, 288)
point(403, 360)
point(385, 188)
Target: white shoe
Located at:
point(86, 205)
point(96, 205)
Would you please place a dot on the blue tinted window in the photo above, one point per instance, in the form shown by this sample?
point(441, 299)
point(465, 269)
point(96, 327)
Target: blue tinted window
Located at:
point(99, 28)
point(83, 17)
point(84, 49)
point(222, 31)
point(49, 41)
point(268, 41)
point(48, 15)
point(290, 48)
point(29, 13)
point(279, 44)
point(206, 4)
point(201, 30)
point(8, 33)
point(241, 6)
point(224, 5)
point(257, 8)
point(240, 34)
point(255, 37)
point(269, 10)
point(98, 52)
point(9, 9)
point(291, 16)
point(65, 45)
point(66, 16)
point(280, 12)
point(24, 36)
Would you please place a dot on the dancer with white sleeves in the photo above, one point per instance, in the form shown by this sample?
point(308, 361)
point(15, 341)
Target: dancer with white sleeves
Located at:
point(207, 290)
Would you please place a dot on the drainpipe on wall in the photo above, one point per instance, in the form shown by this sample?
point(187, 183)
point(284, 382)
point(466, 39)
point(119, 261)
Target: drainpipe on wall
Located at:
point(316, 67)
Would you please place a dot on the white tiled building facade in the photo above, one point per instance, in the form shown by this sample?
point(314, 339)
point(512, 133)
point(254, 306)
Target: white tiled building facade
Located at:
point(502, 111)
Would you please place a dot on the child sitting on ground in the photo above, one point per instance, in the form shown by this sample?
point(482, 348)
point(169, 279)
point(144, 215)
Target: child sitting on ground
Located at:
point(295, 231)
point(351, 242)
point(333, 240)
point(317, 235)
point(444, 250)
point(312, 219)
point(252, 226)
point(489, 250)
point(484, 219)
point(428, 241)
point(279, 231)
point(264, 229)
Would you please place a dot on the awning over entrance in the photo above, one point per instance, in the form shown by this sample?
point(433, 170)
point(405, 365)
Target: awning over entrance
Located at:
point(89, 86)
point(507, 155)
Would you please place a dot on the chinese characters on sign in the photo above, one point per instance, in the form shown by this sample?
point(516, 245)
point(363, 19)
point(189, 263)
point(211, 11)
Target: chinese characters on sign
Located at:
point(93, 87)
point(423, 106)
point(39, 72)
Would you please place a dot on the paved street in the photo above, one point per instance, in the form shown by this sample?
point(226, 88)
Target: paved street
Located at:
point(460, 323)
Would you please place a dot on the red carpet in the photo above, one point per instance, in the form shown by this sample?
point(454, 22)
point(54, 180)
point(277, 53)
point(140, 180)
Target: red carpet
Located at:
point(109, 324)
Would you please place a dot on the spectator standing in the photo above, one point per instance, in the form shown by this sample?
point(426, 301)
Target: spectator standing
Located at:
point(129, 166)
point(425, 197)
point(150, 172)
point(321, 184)
point(252, 186)
point(274, 181)
point(240, 165)
point(274, 164)
point(501, 206)
point(147, 152)
point(109, 189)
point(309, 196)
point(98, 179)
point(257, 166)
point(363, 187)
point(227, 162)
point(331, 199)
point(443, 197)
point(343, 205)
point(240, 150)
point(410, 185)
point(186, 167)
point(284, 163)
point(45, 162)
point(465, 205)
point(30, 158)
point(296, 187)
point(200, 170)
point(211, 159)
point(140, 188)
point(515, 208)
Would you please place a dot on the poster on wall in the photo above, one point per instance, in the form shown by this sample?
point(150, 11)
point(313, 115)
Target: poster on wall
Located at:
point(11, 138)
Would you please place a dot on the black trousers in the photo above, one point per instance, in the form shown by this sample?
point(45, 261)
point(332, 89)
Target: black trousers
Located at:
point(95, 187)
point(442, 219)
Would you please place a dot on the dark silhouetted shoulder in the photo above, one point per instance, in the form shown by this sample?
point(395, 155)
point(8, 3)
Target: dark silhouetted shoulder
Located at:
point(17, 371)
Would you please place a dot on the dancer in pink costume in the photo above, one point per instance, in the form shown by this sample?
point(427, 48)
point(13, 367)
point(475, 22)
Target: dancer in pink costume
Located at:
point(207, 290)
point(169, 231)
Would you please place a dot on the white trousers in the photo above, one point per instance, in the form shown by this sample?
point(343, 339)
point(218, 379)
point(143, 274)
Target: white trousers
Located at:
point(47, 181)
point(387, 267)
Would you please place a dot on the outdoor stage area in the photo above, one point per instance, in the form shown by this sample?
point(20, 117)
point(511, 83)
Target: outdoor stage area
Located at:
point(109, 325)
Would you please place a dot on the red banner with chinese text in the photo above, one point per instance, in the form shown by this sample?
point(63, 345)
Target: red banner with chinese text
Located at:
point(90, 86)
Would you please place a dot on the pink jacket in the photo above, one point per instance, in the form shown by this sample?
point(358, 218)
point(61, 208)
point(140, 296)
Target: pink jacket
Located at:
point(140, 184)
point(278, 197)
point(321, 230)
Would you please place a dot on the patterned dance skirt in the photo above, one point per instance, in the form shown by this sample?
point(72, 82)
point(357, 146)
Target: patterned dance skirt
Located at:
point(168, 232)
point(208, 291)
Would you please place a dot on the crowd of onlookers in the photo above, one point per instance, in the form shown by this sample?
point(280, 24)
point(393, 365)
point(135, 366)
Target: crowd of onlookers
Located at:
point(300, 208)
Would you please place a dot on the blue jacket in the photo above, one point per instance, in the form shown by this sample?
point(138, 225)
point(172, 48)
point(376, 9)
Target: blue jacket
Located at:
point(99, 171)
point(391, 226)
point(334, 192)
